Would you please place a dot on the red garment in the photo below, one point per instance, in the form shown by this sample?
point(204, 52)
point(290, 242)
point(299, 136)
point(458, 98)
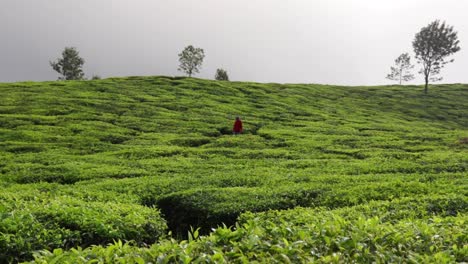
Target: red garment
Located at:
point(237, 126)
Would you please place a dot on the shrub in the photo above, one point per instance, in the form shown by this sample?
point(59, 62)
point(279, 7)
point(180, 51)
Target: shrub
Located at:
point(64, 222)
point(348, 235)
point(221, 75)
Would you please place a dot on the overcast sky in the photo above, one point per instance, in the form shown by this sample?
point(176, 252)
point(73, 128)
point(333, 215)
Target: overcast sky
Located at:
point(350, 42)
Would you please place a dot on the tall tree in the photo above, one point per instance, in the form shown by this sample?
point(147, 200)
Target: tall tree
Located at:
point(432, 45)
point(191, 59)
point(402, 70)
point(221, 75)
point(70, 65)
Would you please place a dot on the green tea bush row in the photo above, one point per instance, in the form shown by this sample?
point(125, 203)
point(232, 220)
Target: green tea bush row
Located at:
point(164, 141)
point(209, 207)
point(33, 223)
point(362, 234)
point(421, 207)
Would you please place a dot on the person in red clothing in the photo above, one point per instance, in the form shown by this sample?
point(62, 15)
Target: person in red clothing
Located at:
point(237, 129)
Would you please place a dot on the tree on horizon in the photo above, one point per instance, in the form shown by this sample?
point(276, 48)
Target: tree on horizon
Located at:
point(402, 70)
point(221, 75)
point(69, 65)
point(432, 45)
point(191, 59)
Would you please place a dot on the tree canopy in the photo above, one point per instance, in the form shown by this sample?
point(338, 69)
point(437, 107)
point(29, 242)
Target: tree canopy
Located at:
point(432, 45)
point(191, 59)
point(69, 65)
point(221, 75)
point(402, 69)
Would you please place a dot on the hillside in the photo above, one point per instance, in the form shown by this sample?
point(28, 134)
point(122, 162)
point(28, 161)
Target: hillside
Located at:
point(91, 162)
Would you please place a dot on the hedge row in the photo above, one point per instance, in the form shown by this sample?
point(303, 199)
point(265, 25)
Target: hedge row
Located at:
point(418, 232)
point(210, 207)
point(65, 222)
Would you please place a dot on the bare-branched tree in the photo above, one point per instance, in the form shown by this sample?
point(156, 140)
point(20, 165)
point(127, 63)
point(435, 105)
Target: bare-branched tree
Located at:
point(401, 72)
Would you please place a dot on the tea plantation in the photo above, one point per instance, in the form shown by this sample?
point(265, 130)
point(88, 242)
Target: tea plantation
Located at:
point(145, 169)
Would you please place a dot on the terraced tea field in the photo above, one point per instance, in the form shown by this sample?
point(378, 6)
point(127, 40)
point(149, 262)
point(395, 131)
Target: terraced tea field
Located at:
point(145, 169)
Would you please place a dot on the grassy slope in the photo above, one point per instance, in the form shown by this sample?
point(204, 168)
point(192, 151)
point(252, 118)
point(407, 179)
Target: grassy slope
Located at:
point(166, 142)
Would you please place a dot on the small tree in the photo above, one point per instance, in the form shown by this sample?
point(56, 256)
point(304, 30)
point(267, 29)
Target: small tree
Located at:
point(402, 70)
point(432, 45)
point(221, 75)
point(191, 60)
point(70, 65)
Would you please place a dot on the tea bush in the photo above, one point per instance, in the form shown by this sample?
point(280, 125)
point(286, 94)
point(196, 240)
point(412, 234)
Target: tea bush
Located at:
point(85, 163)
point(40, 221)
point(365, 233)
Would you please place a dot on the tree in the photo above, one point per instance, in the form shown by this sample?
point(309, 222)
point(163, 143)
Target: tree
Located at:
point(70, 65)
point(221, 75)
point(191, 60)
point(402, 70)
point(432, 45)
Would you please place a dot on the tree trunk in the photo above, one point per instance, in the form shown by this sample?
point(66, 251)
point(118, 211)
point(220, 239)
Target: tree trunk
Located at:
point(427, 84)
point(401, 73)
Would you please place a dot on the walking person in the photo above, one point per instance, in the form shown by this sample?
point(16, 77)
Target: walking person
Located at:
point(237, 129)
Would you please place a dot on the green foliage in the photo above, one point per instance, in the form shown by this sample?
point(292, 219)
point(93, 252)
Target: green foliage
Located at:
point(221, 75)
point(89, 162)
point(191, 59)
point(401, 231)
point(37, 219)
point(209, 207)
point(432, 45)
point(70, 65)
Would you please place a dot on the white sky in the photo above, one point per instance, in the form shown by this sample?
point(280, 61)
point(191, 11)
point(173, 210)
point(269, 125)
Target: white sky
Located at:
point(349, 42)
